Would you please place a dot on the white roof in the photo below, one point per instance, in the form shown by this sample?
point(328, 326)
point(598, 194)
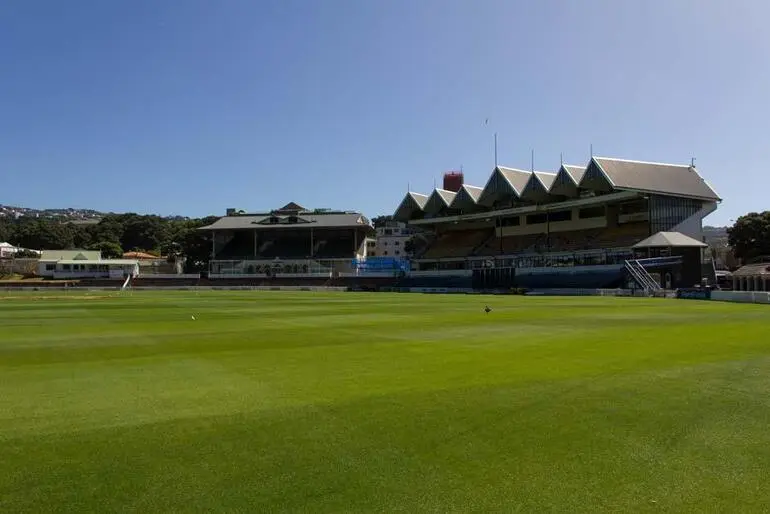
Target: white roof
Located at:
point(670, 240)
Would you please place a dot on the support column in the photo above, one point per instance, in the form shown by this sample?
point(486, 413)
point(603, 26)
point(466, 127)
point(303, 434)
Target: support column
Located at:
point(735, 283)
point(213, 245)
point(255, 243)
point(311, 242)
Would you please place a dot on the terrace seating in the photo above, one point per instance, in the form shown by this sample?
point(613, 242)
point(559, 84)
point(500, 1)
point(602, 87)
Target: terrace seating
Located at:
point(240, 246)
point(335, 249)
point(286, 249)
point(459, 243)
point(509, 245)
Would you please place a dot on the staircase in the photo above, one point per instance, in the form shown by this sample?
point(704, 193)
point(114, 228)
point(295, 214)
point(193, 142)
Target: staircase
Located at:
point(642, 277)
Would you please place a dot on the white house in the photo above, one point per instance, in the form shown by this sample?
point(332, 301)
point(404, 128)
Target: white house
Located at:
point(71, 264)
point(390, 240)
point(7, 250)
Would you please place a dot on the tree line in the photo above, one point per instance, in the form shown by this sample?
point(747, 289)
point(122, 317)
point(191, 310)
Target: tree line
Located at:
point(115, 234)
point(749, 237)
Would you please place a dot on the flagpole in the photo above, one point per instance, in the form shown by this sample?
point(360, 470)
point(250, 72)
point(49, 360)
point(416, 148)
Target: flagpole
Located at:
point(495, 149)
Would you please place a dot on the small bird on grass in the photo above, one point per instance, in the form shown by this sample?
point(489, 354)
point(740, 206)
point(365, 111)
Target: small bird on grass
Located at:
point(487, 309)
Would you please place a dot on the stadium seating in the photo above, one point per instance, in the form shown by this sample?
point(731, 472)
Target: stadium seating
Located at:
point(240, 246)
point(459, 243)
point(285, 248)
point(512, 245)
point(335, 248)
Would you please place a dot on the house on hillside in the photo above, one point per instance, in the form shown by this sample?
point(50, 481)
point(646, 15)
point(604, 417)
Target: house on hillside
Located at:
point(72, 264)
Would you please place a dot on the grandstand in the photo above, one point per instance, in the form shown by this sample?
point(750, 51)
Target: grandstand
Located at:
point(577, 227)
point(291, 241)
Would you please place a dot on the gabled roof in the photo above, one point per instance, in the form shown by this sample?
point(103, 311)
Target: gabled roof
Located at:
point(70, 255)
point(575, 172)
point(517, 178)
point(753, 270)
point(535, 190)
point(140, 256)
point(438, 200)
point(652, 177)
point(546, 178)
point(412, 202)
point(105, 262)
point(670, 240)
point(467, 196)
point(504, 182)
point(566, 181)
point(602, 174)
point(291, 207)
point(306, 220)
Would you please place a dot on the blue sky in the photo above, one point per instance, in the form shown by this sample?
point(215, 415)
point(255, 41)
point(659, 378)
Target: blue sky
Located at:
point(191, 107)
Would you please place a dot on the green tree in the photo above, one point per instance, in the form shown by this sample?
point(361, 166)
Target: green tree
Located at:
point(196, 245)
point(750, 236)
point(40, 234)
point(109, 249)
point(144, 232)
point(380, 221)
point(7, 230)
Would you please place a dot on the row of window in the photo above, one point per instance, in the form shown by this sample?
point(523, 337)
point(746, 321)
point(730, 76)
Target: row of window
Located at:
point(554, 217)
point(536, 261)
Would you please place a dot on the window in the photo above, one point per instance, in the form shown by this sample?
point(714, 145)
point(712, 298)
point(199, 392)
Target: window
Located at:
point(397, 252)
point(534, 219)
point(50, 267)
point(511, 222)
point(560, 216)
point(397, 243)
point(591, 212)
point(385, 252)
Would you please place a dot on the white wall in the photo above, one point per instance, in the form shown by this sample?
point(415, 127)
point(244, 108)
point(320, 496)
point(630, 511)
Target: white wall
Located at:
point(741, 296)
point(693, 226)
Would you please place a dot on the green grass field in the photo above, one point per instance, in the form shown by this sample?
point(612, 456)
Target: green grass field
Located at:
point(310, 402)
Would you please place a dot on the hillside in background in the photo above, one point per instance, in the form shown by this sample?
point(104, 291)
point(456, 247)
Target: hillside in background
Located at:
point(715, 236)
